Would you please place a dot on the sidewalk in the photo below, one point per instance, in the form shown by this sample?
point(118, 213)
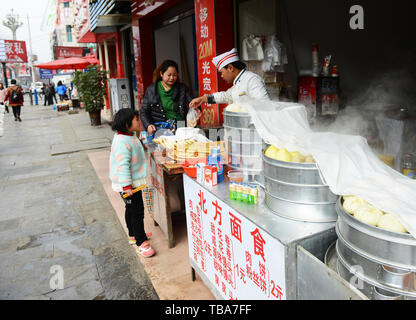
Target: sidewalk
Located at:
point(55, 168)
point(57, 227)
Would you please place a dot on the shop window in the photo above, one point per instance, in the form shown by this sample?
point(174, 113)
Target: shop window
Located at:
point(66, 9)
point(68, 33)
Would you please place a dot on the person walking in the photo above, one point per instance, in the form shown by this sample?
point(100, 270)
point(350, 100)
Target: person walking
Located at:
point(43, 91)
point(61, 90)
point(15, 96)
point(3, 97)
point(53, 93)
point(128, 170)
point(166, 98)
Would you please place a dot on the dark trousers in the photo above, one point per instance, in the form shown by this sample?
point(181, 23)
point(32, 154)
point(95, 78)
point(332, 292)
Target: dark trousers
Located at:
point(134, 217)
point(16, 111)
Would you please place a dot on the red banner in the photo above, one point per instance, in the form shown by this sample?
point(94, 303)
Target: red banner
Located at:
point(207, 73)
point(68, 52)
point(13, 51)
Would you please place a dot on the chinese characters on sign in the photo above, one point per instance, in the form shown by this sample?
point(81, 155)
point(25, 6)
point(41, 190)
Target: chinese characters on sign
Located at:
point(67, 52)
point(13, 51)
point(241, 260)
point(207, 74)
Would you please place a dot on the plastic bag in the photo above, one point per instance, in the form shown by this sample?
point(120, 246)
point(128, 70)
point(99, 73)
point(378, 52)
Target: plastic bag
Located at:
point(192, 118)
point(275, 56)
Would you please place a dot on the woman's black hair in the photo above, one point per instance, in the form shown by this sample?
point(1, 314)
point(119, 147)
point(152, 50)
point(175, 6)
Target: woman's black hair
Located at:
point(165, 65)
point(59, 83)
point(240, 65)
point(123, 119)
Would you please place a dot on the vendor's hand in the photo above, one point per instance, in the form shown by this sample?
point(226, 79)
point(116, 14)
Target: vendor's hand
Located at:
point(195, 103)
point(129, 192)
point(151, 129)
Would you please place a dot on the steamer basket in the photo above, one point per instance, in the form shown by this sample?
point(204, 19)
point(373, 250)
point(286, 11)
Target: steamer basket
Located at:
point(292, 172)
point(244, 162)
point(303, 193)
point(234, 134)
point(389, 277)
point(301, 211)
point(397, 250)
point(236, 119)
point(370, 288)
point(244, 148)
point(296, 191)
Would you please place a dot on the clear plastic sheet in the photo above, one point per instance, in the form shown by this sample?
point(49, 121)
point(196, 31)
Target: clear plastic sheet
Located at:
point(347, 164)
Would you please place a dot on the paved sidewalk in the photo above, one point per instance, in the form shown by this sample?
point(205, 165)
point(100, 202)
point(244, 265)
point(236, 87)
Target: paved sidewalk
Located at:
point(55, 215)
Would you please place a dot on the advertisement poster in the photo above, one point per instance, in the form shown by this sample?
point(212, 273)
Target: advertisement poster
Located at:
point(13, 51)
point(207, 73)
point(240, 259)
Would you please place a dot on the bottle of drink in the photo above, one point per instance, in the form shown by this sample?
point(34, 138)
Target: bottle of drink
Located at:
point(232, 191)
point(315, 60)
point(408, 166)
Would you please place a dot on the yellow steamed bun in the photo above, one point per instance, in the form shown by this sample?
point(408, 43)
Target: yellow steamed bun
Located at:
point(369, 215)
point(390, 222)
point(353, 203)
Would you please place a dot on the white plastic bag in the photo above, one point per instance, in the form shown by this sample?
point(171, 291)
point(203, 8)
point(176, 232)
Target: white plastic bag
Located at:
point(192, 118)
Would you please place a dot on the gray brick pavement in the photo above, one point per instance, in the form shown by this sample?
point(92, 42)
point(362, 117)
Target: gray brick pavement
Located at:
point(54, 212)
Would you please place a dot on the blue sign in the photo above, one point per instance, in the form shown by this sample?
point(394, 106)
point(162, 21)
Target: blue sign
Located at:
point(46, 74)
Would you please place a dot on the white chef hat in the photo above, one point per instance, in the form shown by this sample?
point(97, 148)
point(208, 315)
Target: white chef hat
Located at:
point(223, 59)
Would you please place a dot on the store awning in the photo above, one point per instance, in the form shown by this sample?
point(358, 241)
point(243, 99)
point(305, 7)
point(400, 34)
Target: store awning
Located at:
point(69, 63)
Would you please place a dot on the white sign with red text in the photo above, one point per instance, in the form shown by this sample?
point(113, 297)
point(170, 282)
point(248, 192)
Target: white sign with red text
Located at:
point(239, 258)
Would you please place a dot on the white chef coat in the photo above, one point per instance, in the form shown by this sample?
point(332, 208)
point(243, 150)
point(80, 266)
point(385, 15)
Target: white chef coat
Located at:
point(246, 83)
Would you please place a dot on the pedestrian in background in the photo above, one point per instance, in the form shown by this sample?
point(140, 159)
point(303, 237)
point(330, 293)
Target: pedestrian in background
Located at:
point(128, 170)
point(61, 90)
point(53, 92)
point(43, 90)
point(3, 97)
point(15, 96)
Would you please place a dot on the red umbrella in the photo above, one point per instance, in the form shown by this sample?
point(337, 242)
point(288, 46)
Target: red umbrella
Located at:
point(68, 63)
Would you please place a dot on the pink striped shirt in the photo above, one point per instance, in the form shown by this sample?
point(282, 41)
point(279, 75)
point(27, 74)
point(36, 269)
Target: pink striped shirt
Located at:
point(2, 94)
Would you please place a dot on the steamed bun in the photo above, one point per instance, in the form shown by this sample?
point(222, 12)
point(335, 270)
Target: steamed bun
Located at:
point(353, 203)
point(390, 222)
point(234, 107)
point(369, 215)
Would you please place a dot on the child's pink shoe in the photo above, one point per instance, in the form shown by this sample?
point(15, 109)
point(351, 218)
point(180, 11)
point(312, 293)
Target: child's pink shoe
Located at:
point(145, 250)
point(132, 240)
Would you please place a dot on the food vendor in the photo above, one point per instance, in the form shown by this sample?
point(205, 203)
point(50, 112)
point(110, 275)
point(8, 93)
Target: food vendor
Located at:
point(244, 82)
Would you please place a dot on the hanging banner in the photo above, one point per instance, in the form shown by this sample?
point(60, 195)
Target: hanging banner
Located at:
point(13, 51)
point(207, 73)
point(68, 52)
point(241, 260)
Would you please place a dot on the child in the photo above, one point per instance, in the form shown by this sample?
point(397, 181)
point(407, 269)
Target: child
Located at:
point(128, 170)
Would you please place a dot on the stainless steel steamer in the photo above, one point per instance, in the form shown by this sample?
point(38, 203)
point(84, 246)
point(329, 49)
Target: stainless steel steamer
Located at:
point(243, 144)
point(296, 191)
point(385, 261)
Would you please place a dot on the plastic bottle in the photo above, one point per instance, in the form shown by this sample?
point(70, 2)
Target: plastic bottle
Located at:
point(239, 191)
point(232, 188)
point(246, 191)
point(315, 60)
point(408, 166)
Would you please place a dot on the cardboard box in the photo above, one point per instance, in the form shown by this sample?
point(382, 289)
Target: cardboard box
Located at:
point(210, 174)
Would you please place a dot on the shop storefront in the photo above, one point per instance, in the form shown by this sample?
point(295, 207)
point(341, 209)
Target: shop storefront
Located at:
point(282, 245)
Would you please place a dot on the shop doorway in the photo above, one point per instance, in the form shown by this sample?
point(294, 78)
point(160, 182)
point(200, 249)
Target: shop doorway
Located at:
point(174, 38)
